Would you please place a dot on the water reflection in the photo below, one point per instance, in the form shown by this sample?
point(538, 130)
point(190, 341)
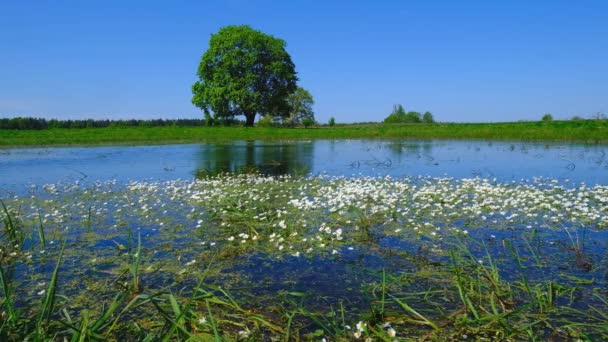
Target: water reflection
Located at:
point(507, 161)
point(255, 156)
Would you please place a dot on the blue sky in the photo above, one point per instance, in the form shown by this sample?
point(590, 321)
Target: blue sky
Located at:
point(461, 60)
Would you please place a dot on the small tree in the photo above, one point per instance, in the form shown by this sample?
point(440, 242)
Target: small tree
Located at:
point(300, 107)
point(427, 117)
point(332, 122)
point(547, 117)
point(413, 117)
point(397, 115)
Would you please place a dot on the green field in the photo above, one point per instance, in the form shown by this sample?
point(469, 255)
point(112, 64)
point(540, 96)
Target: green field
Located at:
point(593, 131)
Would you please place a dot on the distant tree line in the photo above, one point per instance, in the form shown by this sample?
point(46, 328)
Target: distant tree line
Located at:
point(596, 116)
point(40, 123)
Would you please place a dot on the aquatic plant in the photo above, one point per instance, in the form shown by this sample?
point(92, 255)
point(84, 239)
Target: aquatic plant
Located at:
point(247, 256)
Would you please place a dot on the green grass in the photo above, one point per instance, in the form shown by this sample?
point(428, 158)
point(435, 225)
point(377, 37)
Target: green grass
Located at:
point(582, 131)
point(214, 260)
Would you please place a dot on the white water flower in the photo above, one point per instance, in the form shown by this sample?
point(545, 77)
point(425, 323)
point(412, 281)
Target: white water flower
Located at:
point(361, 326)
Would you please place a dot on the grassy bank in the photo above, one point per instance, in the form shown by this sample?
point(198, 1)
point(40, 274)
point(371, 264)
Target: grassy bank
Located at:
point(583, 131)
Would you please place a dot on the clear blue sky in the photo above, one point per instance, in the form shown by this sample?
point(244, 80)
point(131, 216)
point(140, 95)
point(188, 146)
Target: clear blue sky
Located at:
point(461, 60)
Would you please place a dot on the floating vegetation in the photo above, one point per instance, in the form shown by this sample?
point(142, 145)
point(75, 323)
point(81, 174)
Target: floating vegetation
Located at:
point(248, 257)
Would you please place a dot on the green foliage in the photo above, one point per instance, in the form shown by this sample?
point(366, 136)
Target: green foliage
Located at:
point(547, 117)
point(593, 131)
point(209, 121)
point(244, 72)
point(308, 122)
point(427, 117)
point(332, 122)
point(265, 121)
point(413, 117)
point(27, 123)
point(398, 115)
point(300, 104)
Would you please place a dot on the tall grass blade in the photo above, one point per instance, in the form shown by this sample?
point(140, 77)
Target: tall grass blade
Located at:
point(49, 302)
point(411, 310)
point(216, 333)
point(41, 238)
point(8, 297)
point(135, 267)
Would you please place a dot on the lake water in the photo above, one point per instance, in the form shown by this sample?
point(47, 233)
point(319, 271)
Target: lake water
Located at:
point(281, 245)
point(505, 161)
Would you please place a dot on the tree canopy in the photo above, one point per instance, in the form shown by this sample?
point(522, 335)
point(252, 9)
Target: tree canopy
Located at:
point(300, 107)
point(398, 115)
point(244, 72)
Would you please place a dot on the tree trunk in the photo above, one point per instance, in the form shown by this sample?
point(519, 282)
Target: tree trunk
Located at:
point(250, 119)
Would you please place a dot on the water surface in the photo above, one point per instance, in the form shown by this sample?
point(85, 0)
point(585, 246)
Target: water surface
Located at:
point(505, 161)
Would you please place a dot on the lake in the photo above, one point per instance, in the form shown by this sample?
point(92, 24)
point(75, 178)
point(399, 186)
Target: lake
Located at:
point(506, 161)
point(310, 240)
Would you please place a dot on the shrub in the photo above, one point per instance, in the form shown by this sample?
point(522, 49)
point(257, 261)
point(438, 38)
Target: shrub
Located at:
point(397, 115)
point(265, 121)
point(428, 117)
point(307, 122)
point(413, 117)
point(547, 117)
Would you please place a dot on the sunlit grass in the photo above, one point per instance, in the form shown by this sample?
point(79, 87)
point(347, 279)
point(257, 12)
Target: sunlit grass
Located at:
point(583, 130)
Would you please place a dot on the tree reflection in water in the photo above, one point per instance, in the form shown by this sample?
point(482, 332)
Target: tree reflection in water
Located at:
point(266, 158)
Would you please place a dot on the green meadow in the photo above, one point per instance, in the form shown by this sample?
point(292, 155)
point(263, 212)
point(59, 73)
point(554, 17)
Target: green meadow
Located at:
point(593, 131)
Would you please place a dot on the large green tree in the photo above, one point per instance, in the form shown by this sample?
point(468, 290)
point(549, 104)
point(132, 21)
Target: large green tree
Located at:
point(244, 72)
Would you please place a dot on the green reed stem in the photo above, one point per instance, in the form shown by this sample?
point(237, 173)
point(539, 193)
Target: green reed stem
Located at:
point(8, 296)
point(49, 302)
point(135, 267)
point(41, 238)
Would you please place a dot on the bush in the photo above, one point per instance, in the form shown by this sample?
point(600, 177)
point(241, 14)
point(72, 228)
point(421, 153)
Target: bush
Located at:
point(547, 117)
point(398, 115)
point(307, 122)
point(413, 117)
point(265, 121)
point(428, 117)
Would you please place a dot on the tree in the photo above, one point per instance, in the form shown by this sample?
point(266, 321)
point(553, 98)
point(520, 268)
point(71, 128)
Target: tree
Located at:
point(244, 72)
point(547, 117)
point(414, 117)
point(300, 107)
point(427, 117)
point(397, 115)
